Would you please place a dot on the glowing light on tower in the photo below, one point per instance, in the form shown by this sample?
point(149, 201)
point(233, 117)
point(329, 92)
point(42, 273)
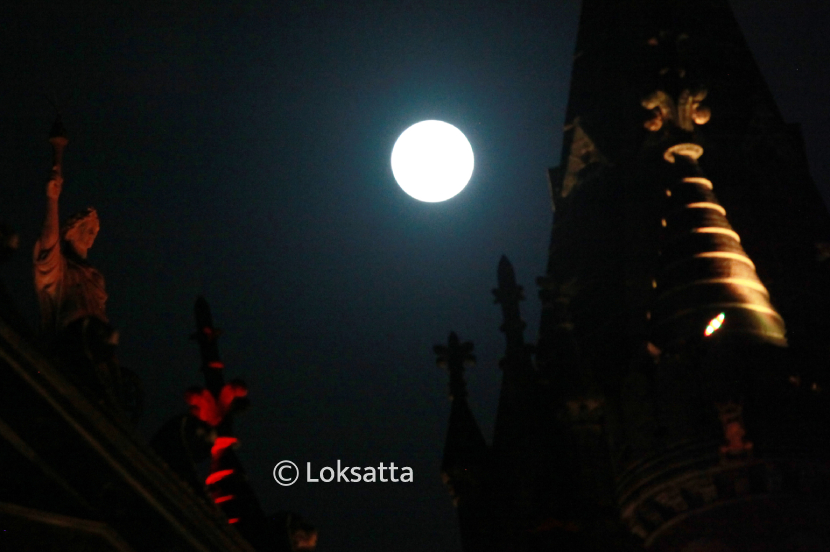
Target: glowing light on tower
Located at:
point(715, 324)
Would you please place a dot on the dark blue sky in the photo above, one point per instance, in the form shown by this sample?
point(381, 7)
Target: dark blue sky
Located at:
point(240, 150)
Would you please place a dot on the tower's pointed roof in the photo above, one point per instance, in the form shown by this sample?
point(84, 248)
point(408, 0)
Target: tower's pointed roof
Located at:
point(466, 453)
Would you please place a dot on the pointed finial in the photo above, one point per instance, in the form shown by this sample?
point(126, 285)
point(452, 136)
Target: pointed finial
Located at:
point(508, 295)
point(207, 338)
point(204, 322)
point(201, 311)
point(508, 291)
point(506, 274)
point(454, 357)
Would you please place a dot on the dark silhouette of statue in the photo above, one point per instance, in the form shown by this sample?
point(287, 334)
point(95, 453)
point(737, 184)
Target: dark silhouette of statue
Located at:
point(73, 298)
point(70, 291)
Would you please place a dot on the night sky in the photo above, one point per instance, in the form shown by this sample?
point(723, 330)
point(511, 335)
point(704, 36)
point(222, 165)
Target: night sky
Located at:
point(240, 150)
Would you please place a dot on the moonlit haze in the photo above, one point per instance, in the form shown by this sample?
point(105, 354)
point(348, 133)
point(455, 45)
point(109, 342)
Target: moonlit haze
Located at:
point(432, 161)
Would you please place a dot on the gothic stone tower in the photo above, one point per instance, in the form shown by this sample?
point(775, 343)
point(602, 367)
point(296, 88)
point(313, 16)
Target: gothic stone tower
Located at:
point(676, 399)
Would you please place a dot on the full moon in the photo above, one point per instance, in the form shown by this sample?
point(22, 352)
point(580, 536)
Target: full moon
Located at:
point(432, 161)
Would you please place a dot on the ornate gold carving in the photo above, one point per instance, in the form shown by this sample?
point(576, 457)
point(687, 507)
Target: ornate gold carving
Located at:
point(706, 205)
point(717, 230)
point(698, 180)
point(686, 149)
point(675, 101)
point(685, 112)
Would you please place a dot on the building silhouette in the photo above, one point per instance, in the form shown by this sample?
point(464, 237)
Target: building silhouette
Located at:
point(77, 477)
point(676, 396)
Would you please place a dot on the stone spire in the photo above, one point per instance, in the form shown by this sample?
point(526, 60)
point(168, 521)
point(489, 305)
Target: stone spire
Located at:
point(517, 428)
point(703, 272)
point(465, 450)
point(519, 376)
point(465, 468)
point(216, 404)
point(508, 295)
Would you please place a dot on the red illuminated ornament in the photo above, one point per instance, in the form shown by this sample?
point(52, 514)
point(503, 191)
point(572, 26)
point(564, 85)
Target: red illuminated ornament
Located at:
point(217, 476)
point(209, 410)
point(220, 444)
point(733, 430)
point(714, 324)
point(735, 433)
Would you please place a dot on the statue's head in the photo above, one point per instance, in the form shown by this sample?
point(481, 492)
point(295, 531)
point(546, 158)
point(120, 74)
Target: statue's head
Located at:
point(80, 230)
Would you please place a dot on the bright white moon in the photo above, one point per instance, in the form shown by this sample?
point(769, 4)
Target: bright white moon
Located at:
point(432, 161)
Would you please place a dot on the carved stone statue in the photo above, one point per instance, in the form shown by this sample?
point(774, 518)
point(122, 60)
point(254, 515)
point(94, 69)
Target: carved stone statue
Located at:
point(70, 290)
point(73, 301)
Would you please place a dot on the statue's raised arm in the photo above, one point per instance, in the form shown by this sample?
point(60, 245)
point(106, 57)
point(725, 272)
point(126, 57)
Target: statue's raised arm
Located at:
point(51, 227)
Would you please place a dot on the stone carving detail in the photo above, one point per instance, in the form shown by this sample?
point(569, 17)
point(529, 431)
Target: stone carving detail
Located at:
point(730, 415)
point(684, 113)
point(675, 102)
point(654, 505)
point(72, 298)
point(583, 156)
